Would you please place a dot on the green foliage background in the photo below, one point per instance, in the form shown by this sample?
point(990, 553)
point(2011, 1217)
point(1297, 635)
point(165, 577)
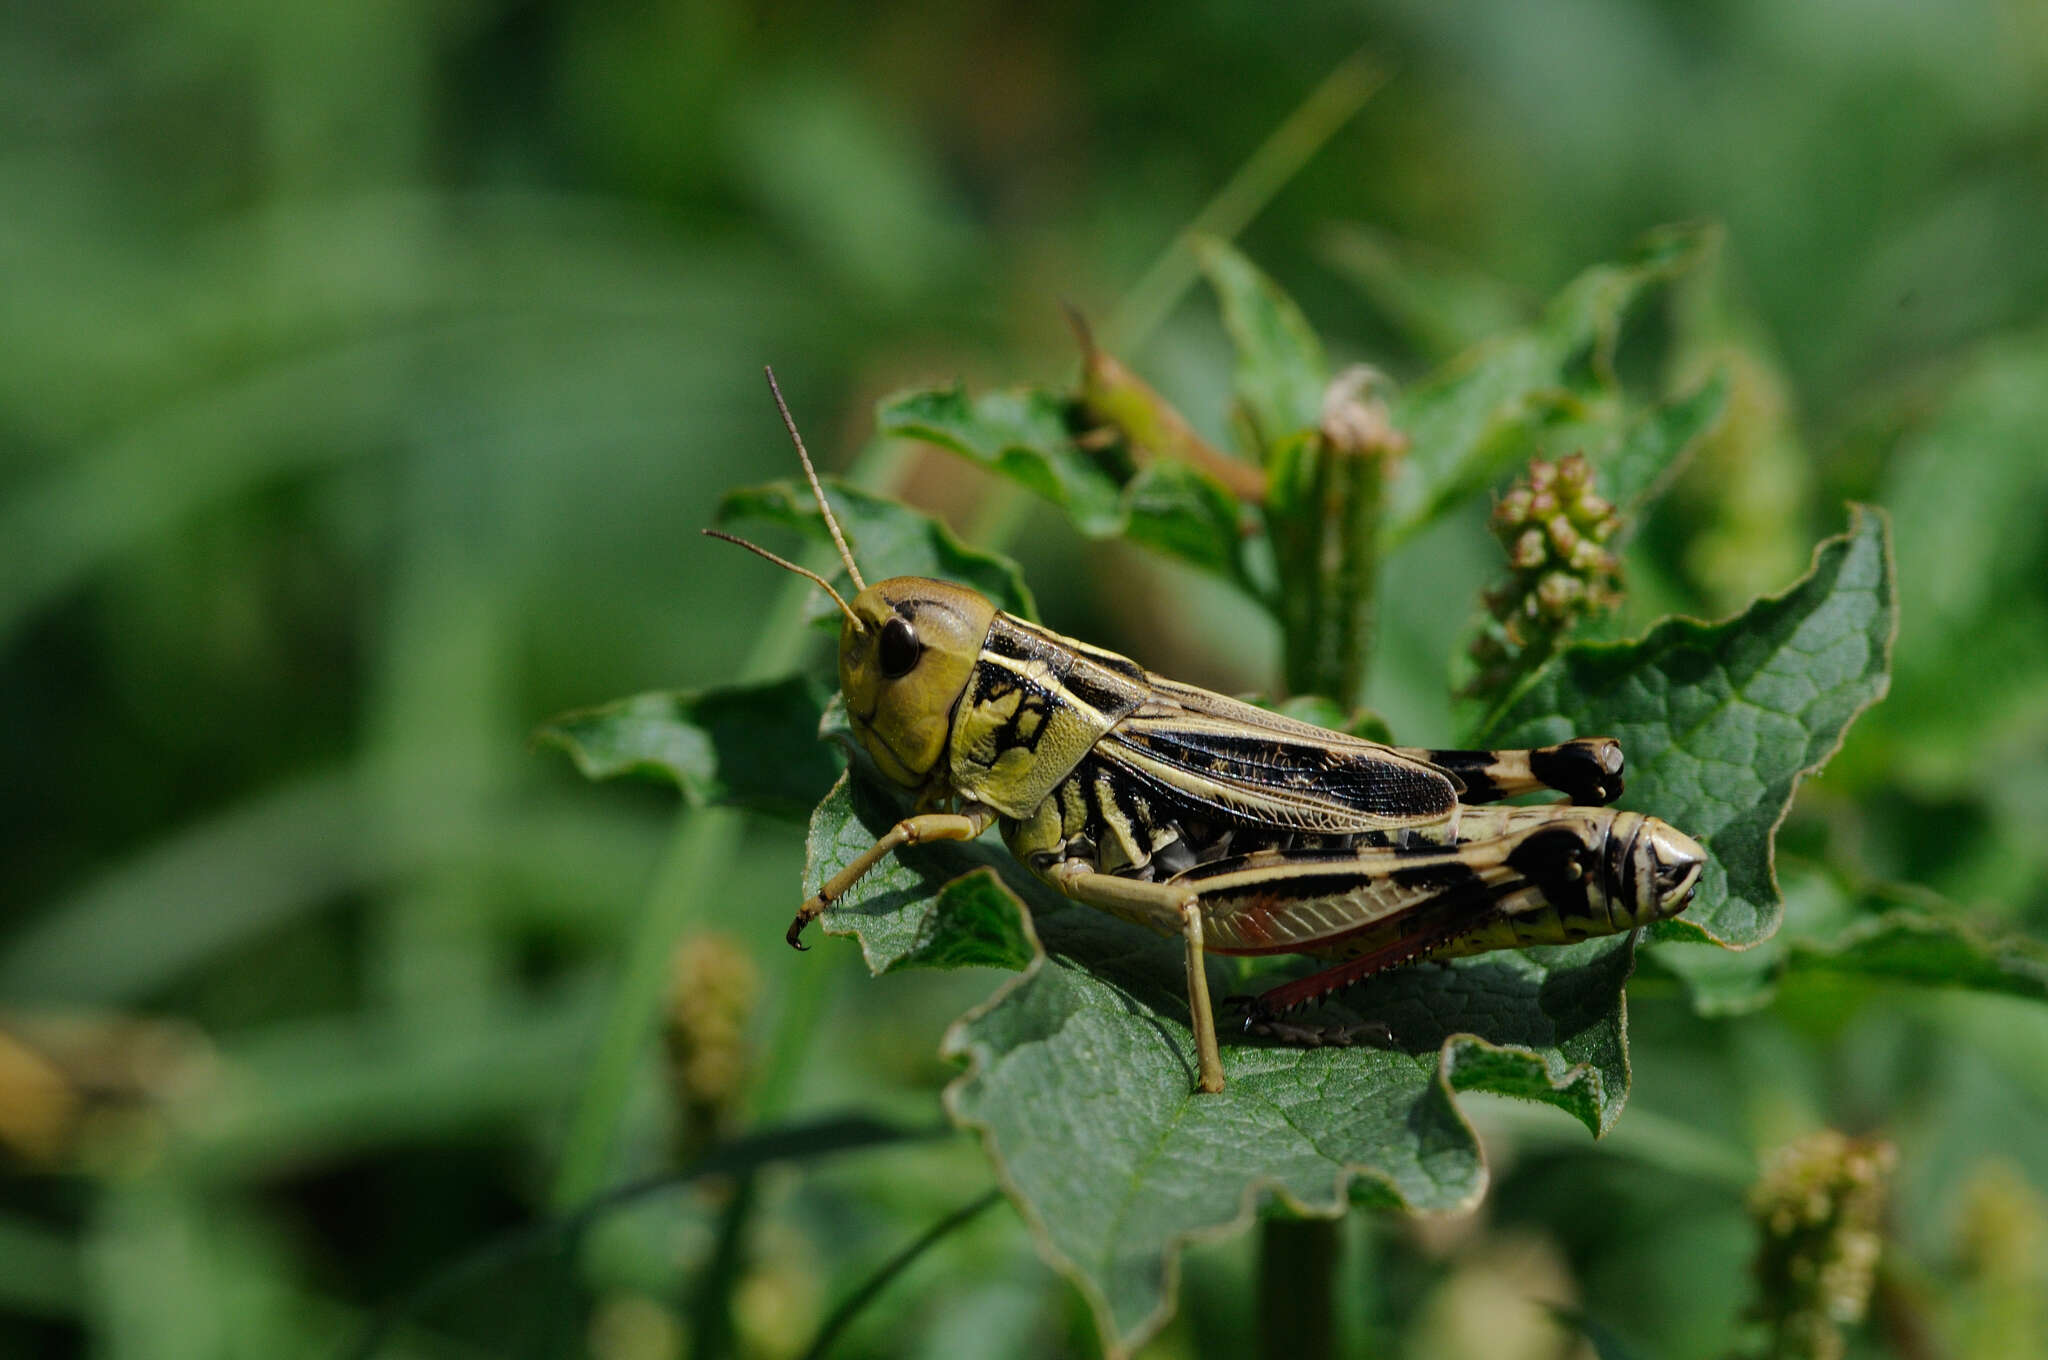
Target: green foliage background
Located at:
point(365, 371)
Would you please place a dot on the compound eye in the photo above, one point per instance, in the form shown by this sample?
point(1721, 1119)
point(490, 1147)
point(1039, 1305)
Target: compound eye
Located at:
point(899, 648)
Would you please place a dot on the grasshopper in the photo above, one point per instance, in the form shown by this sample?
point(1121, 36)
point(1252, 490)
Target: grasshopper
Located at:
point(1238, 829)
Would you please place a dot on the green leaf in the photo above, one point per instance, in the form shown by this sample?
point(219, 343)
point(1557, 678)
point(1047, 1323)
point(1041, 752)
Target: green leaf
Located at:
point(1907, 945)
point(1722, 982)
point(1081, 1068)
point(1654, 448)
point(1474, 418)
point(928, 906)
point(1023, 435)
point(1720, 721)
point(1020, 433)
point(1281, 372)
point(887, 539)
point(749, 745)
point(1176, 509)
point(1911, 946)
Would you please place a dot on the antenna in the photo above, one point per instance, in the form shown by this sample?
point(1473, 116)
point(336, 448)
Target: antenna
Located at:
point(845, 554)
point(851, 617)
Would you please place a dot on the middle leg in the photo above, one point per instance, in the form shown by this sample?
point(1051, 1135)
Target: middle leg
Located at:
point(1166, 907)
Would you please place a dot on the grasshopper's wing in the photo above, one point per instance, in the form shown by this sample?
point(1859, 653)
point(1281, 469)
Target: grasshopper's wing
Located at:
point(1243, 765)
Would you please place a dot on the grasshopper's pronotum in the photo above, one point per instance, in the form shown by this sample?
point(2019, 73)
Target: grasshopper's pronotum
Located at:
point(1238, 829)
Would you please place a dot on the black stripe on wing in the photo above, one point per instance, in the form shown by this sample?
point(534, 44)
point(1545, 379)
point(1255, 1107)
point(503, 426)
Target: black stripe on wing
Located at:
point(1330, 784)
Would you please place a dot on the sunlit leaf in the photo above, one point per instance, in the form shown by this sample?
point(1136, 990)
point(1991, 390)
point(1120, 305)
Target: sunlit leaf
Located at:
point(1654, 447)
point(1281, 372)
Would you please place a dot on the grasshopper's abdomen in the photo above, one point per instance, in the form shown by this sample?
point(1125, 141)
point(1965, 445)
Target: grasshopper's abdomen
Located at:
point(1506, 878)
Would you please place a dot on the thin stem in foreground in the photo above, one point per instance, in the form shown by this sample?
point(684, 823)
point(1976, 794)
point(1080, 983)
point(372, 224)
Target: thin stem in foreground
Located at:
point(850, 1307)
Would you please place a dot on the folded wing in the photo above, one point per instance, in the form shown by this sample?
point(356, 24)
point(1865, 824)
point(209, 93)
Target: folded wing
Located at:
point(1237, 763)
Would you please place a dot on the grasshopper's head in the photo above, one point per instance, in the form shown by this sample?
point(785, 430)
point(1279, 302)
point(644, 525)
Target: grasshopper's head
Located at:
point(906, 652)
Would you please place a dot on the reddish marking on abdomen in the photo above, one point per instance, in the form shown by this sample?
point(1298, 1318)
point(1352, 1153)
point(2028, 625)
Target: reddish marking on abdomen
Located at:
point(1255, 925)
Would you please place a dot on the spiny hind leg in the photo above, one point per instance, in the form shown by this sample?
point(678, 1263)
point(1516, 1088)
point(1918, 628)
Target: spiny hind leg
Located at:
point(1586, 770)
point(1168, 907)
point(1266, 1016)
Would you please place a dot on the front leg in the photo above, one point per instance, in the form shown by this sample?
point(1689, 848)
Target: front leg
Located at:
point(963, 825)
point(1166, 907)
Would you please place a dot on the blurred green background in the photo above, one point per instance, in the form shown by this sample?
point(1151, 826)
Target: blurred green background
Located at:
point(366, 371)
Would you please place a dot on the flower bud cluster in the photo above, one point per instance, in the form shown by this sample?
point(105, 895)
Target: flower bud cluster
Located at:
point(1819, 1209)
point(1555, 528)
point(713, 987)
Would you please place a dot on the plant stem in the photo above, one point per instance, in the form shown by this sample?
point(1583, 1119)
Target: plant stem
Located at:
point(1326, 534)
point(1297, 1287)
point(710, 1303)
point(1362, 479)
point(860, 1298)
point(1296, 518)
